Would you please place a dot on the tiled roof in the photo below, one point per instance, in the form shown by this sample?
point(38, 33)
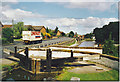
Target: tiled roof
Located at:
point(27, 25)
point(38, 27)
point(7, 26)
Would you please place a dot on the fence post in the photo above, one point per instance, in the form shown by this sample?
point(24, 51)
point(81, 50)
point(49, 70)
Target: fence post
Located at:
point(71, 54)
point(15, 50)
point(48, 61)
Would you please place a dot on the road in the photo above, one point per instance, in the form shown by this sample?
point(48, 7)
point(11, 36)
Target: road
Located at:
point(44, 43)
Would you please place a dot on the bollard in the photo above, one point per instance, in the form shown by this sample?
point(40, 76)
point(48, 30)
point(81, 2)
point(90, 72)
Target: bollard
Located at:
point(15, 50)
point(26, 52)
point(71, 54)
point(48, 61)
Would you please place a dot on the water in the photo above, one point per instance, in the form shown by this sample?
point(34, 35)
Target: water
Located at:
point(87, 44)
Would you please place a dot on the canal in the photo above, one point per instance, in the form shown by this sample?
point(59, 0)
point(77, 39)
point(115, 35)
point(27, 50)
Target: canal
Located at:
point(87, 44)
point(20, 75)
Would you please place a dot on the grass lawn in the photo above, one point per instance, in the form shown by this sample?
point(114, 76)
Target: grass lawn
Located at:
point(111, 75)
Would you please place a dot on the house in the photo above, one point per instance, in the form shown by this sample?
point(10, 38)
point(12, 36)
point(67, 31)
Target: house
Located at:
point(29, 27)
point(58, 33)
point(75, 35)
point(42, 29)
point(81, 37)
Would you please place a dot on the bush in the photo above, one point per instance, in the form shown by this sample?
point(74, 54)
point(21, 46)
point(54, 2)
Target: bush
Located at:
point(4, 40)
point(7, 35)
point(109, 47)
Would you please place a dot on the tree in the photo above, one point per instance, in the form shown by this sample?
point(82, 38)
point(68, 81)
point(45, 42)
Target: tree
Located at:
point(17, 29)
point(89, 35)
point(102, 34)
point(7, 35)
point(71, 34)
point(56, 29)
point(47, 30)
point(109, 47)
point(63, 34)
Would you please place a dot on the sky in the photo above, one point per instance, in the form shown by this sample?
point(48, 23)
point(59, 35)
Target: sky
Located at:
point(78, 16)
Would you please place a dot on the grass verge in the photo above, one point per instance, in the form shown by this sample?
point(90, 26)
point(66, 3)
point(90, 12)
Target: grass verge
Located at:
point(17, 39)
point(111, 75)
point(71, 43)
point(89, 39)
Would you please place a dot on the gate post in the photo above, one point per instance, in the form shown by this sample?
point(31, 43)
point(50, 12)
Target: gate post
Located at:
point(33, 65)
point(37, 66)
point(48, 61)
point(15, 50)
point(26, 52)
point(71, 54)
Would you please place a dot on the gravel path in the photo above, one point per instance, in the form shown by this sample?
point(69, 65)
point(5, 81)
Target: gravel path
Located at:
point(88, 68)
point(108, 62)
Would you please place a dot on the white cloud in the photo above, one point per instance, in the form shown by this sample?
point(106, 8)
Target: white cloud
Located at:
point(80, 0)
point(80, 26)
point(60, 0)
point(100, 5)
point(20, 14)
point(17, 14)
point(10, 1)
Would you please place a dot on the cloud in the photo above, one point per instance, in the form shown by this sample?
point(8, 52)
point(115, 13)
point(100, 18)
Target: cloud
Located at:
point(10, 1)
point(81, 26)
point(80, 0)
point(100, 5)
point(60, 0)
point(8, 14)
point(20, 14)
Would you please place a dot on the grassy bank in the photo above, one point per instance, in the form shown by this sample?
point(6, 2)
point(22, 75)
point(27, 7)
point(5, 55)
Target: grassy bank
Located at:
point(71, 43)
point(111, 75)
point(89, 39)
point(8, 67)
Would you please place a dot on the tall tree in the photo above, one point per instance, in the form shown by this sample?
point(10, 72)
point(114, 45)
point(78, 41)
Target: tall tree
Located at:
point(17, 29)
point(56, 29)
point(71, 34)
point(102, 34)
point(47, 30)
